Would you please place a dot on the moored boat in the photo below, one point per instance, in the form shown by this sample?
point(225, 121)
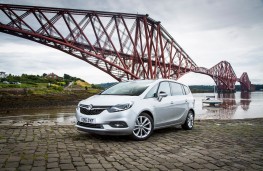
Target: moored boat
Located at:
point(212, 101)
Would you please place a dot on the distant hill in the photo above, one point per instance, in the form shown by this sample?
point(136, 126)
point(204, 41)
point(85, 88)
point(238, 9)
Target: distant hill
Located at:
point(194, 88)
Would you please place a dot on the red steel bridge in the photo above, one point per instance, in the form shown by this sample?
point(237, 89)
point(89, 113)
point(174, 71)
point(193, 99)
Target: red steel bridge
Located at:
point(125, 46)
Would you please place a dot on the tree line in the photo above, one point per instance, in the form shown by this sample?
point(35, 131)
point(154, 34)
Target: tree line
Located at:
point(32, 79)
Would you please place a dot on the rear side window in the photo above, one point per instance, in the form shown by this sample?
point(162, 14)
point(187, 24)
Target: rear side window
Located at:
point(186, 89)
point(176, 89)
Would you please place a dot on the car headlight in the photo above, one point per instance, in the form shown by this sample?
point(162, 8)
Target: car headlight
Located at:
point(120, 107)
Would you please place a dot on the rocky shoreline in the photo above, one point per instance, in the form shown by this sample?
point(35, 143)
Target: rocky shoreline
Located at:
point(13, 102)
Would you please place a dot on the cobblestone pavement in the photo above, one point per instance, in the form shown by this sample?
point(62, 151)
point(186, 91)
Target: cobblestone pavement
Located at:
point(212, 145)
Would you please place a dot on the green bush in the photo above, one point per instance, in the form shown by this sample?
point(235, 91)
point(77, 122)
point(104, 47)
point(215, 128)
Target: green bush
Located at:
point(56, 87)
point(59, 88)
point(61, 83)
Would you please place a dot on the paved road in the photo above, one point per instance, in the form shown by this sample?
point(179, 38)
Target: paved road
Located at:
point(212, 145)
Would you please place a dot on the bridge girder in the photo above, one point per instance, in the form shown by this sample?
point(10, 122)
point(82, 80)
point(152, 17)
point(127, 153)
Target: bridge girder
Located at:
point(225, 77)
point(125, 46)
point(245, 82)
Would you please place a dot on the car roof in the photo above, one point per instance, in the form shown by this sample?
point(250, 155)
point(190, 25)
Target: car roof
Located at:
point(156, 80)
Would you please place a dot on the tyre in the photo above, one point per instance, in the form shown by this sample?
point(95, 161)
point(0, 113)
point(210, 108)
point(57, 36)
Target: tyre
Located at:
point(143, 127)
point(189, 122)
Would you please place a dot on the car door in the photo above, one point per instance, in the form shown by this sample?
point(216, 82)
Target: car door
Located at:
point(163, 108)
point(179, 102)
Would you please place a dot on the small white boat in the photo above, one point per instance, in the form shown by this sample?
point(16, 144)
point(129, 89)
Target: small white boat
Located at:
point(212, 101)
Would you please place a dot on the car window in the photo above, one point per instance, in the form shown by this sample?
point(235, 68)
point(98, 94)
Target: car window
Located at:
point(187, 90)
point(133, 88)
point(152, 92)
point(176, 89)
point(164, 87)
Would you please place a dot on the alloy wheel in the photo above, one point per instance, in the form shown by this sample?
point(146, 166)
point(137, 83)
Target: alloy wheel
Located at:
point(143, 127)
point(190, 120)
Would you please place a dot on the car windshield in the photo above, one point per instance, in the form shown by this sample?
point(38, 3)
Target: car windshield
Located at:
point(133, 88)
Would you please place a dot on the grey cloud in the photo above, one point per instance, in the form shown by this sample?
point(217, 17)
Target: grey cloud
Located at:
point(210, 31)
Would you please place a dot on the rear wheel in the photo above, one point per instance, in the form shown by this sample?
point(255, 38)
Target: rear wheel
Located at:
point(143, 127)
point(189, 122)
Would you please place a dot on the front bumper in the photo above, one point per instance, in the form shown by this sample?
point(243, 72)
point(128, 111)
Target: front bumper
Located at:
point(106, 130)
point(103, 120)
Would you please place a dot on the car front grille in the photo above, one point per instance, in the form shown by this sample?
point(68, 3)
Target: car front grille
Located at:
point(95, 110)
point(91, 112)
point(88, 125)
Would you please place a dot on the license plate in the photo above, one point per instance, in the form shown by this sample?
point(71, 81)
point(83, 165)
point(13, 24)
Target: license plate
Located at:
point(87, 120)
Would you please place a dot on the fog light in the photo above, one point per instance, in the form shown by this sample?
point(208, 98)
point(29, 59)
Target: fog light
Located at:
point(118, 124)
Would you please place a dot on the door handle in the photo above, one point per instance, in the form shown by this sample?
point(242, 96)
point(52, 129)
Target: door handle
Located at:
point(186, 101)
point(172, 102)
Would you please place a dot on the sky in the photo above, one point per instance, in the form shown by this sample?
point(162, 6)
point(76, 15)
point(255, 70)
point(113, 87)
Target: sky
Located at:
point(209, 31)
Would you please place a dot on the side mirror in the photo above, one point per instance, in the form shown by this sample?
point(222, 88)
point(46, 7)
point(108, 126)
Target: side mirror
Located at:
point(161, 95)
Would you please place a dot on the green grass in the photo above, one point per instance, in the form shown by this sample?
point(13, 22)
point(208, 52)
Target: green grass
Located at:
point(45, 88)
point(44, 91)
point(94, 91)
point(42, 85)
point(17, 85)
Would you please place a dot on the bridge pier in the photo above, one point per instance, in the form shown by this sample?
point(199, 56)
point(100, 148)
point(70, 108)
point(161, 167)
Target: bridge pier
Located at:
point(225, 91)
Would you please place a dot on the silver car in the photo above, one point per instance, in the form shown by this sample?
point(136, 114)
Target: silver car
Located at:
point(137, 108)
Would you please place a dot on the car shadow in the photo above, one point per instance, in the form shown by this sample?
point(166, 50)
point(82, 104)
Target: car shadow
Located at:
point(167, 130)
point(123, 138)
point(103, 138)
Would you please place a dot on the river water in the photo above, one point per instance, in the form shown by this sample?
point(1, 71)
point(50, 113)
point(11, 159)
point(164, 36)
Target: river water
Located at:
point(239, 105)
point(235, 106)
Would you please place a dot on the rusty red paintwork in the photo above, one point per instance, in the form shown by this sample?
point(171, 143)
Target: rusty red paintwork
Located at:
point(225, 77)
point(126, 46)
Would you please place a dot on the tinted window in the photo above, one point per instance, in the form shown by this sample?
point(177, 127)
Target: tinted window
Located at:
point(164, 87)
point(133, 88)
point(176, 89)
point(153, 91)
point(187, 91)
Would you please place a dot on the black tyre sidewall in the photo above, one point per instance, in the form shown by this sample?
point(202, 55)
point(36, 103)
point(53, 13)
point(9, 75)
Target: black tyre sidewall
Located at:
point(185, 125)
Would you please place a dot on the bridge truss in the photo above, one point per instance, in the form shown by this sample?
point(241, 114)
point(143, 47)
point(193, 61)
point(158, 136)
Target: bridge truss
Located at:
point(125, 46)
point(225, 77)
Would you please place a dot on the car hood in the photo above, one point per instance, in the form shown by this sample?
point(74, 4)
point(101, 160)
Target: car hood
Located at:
point(108, 100)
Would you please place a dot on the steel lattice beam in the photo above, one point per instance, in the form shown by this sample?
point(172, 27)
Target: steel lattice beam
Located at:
point(225, 77)
point(245, 82)
point(125, 46)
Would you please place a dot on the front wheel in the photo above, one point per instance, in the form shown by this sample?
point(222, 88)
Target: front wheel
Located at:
point(189, 122)
point(143, 127)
